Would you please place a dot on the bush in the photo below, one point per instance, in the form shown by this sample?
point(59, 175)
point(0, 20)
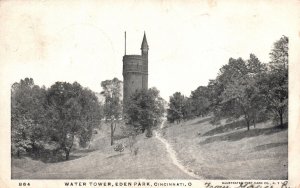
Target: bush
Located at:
point(119, 147)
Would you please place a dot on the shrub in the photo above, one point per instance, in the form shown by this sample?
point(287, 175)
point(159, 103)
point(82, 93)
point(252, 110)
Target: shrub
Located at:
point(119, 147)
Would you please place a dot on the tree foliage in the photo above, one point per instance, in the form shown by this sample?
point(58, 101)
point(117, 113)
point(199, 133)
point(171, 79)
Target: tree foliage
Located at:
point(27, 116)
point(145, 110)
point(75, 112)
point(243, 88)
point(113, 103)
point(113, 98)
point(240, 96)
point(50, 119)
point(176, 107)
point(274, 83)
point(200, 101)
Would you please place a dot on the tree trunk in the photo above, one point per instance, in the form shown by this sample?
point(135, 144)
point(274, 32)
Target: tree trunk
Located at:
point(254, 119)
point(281, 120)
point(35, 150)
point(248, 124)
point(67, 154)
point(112, 133)
point(67, 150)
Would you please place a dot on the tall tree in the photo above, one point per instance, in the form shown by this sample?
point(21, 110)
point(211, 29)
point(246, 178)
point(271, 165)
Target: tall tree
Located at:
point(75, 112)
point(240, 96)
point(274, 84)
point(200, 101)
point(145, 110)
point(113, 103)
point(27, 117)
point(175, 111)
point(227, 75)
point(280, 55)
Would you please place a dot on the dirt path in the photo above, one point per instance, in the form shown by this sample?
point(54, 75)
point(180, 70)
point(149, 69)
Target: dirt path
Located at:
point(172, 154)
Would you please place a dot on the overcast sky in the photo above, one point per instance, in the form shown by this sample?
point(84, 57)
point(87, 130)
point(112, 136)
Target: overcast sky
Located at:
point(188, 42)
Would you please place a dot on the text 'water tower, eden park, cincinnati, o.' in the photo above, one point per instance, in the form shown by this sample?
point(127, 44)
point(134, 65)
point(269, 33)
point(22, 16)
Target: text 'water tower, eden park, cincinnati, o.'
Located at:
point(135, 71)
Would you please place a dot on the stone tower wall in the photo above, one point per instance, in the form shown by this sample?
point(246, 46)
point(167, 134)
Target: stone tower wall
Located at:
point(134, 74)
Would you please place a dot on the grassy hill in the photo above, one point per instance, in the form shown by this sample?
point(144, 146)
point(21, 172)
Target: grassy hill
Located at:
point(102, 162)
point(229, 151)
point(226, 151)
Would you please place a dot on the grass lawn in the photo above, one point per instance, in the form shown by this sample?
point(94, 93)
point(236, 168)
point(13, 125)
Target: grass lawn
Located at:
point(229, 151)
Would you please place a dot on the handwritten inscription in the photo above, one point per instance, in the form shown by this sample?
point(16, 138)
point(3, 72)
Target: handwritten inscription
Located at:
point(248, 185)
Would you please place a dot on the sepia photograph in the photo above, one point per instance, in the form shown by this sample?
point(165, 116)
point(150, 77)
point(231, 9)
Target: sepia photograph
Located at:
point(159, 91)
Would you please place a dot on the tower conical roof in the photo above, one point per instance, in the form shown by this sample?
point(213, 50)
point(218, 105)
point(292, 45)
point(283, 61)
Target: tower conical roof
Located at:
point(144, 43)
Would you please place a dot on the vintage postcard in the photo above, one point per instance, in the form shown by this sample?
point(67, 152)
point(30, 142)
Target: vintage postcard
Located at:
point(150, 93)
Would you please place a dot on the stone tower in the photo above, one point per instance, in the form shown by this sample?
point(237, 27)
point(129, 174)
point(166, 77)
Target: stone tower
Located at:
point(135, 71)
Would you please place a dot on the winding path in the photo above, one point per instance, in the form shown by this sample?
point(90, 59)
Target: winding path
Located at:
point(172, 154)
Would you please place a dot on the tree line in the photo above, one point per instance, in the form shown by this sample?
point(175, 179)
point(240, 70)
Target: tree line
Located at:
point(46, 122)
point(248, 88)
